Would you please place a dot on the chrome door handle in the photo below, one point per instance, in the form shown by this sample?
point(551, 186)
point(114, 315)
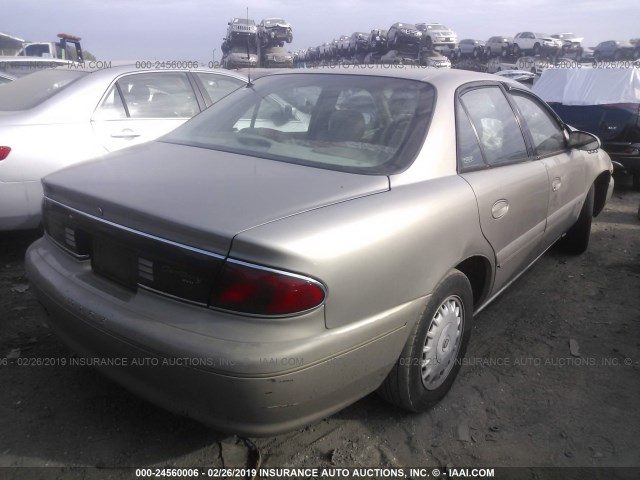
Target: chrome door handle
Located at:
point(500, 208)
point(556, 184)
point(127, 133)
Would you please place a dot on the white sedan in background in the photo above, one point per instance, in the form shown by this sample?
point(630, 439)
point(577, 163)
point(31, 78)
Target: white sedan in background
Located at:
point(58, 117)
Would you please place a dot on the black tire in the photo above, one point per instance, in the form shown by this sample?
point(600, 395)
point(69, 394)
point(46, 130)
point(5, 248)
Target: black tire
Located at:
point(405, 386)
point(536, 49)
point(576, 240)
point(504, 52)
point(516, 50)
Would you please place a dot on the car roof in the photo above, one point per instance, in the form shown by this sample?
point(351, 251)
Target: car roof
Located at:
point(84, 93)
point(126, 66)
point(435, 76)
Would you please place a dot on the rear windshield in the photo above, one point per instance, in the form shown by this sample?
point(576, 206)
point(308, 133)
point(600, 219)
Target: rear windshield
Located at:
point(353, 123)
point(31, 90)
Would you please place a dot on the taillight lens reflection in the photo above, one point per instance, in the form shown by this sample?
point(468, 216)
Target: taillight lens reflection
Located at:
point(4, 152)
point(247, 289)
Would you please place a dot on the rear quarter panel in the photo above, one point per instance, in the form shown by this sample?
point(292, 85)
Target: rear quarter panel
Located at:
point(374, 253)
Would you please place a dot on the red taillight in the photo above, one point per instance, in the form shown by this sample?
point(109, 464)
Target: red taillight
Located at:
point(254, 290)
point(4, 152)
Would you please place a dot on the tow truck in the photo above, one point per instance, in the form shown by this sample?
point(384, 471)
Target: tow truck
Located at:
point(33, 56)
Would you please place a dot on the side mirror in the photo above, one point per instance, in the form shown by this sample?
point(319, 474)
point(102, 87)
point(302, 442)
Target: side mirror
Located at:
point(583, 141)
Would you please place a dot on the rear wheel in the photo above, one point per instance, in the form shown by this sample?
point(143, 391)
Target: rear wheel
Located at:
point(431, 357)
point(577, 238)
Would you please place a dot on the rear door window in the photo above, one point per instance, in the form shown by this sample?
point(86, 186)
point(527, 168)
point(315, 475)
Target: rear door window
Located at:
point(158, 95)
point(495, 123)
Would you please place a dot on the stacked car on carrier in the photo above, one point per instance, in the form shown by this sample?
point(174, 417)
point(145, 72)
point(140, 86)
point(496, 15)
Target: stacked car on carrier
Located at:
point(248, 45)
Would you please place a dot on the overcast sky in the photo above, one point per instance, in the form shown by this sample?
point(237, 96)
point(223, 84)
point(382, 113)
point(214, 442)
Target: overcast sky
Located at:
point(191, 29)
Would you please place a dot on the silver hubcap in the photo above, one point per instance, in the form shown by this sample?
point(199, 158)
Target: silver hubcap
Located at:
point(442, 344)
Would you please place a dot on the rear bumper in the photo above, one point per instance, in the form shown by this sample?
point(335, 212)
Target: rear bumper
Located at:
point(20, 204)
point(250, 388)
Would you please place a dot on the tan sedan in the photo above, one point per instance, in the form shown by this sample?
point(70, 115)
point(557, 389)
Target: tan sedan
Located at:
point(310, 239)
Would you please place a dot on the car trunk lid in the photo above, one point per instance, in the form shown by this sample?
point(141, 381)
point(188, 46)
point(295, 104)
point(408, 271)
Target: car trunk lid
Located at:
point(199, 197)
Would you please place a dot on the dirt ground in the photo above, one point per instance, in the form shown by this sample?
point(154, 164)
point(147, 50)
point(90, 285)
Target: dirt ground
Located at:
point(552, 378)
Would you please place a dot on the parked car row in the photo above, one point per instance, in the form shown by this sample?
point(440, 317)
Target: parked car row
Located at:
point(524, 43)
point(407, 38)
point(412, 39)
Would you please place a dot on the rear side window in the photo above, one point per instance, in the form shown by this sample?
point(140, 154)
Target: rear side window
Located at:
point(218, 86)
point(30, 91)
point(469, 153)
point(495, 123)
point(112, 107)
point(159, 95)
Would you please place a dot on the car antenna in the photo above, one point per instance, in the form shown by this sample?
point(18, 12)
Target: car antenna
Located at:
point(249, 84)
